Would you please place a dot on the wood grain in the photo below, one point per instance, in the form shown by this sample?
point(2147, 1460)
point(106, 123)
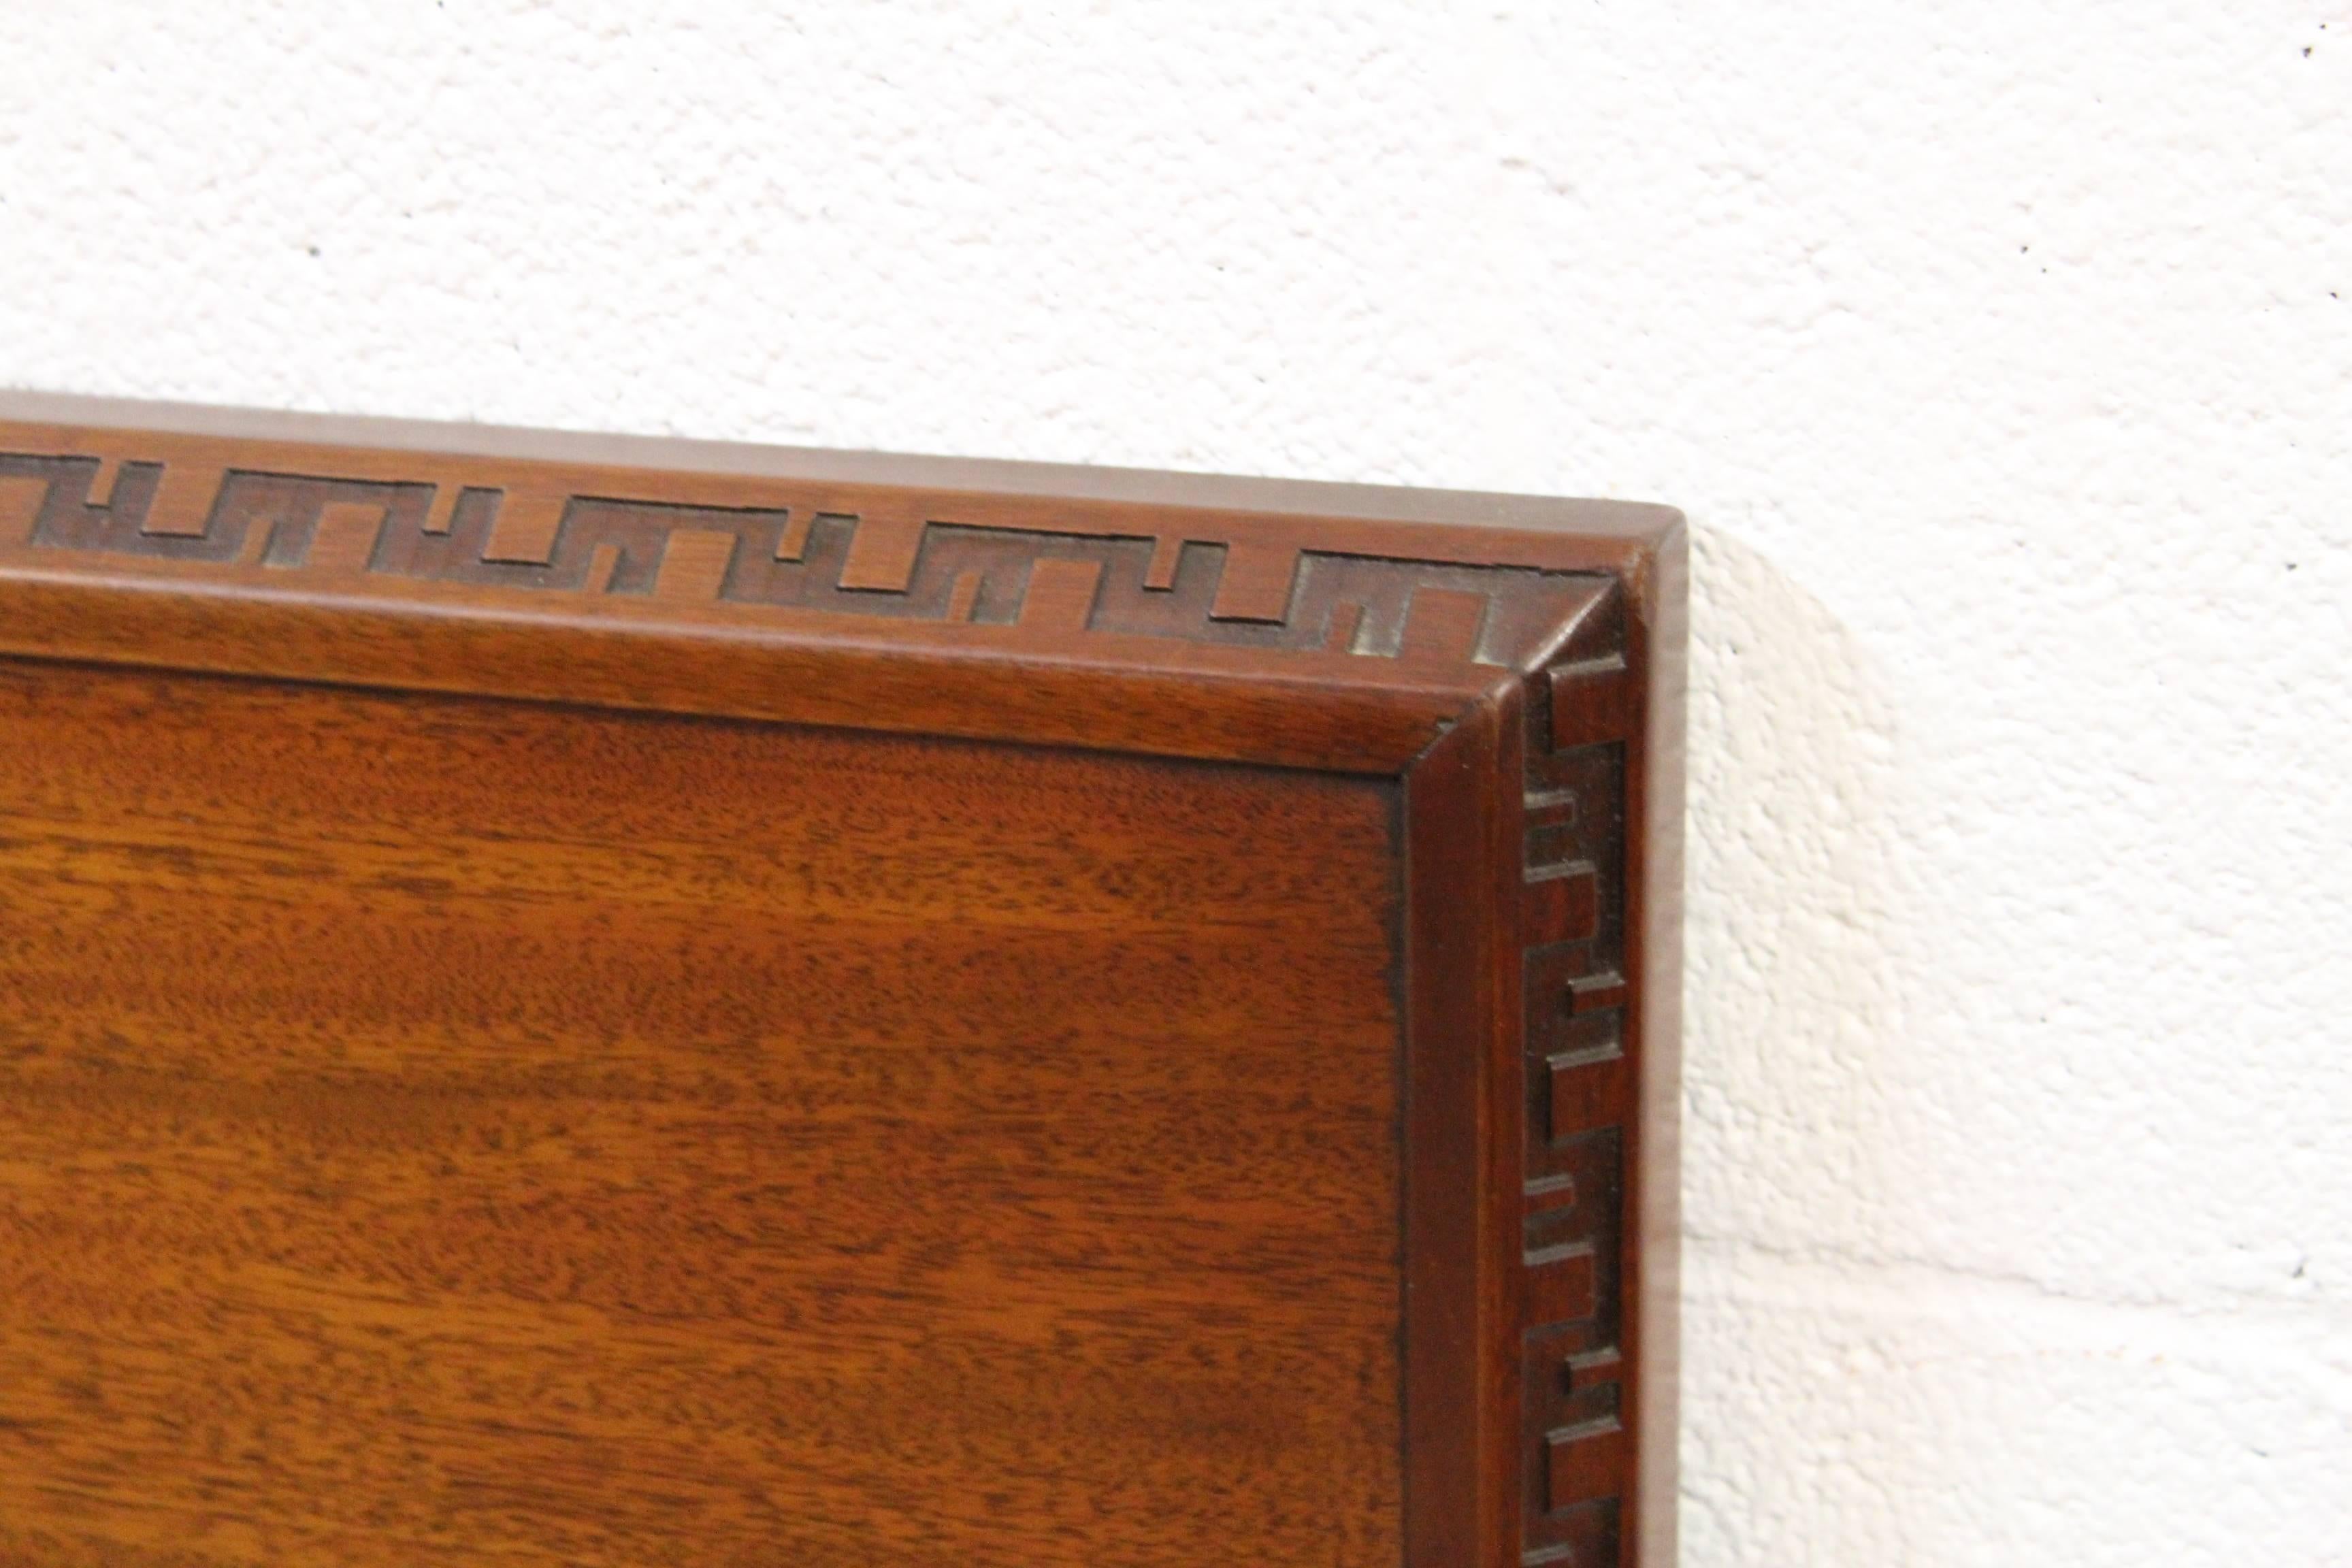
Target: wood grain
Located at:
point(579, 999)
point(452, 1131)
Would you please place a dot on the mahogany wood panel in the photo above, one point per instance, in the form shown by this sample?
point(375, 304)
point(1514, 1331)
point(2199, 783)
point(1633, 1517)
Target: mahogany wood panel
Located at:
point(566, 999)
point(518, 1135)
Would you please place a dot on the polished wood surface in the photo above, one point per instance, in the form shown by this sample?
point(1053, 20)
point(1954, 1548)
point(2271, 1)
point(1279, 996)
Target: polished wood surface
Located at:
point(458, 1132)
point(578, 1000)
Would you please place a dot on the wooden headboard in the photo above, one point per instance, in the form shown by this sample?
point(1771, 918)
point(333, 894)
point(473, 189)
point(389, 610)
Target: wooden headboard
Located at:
point(583, 1000)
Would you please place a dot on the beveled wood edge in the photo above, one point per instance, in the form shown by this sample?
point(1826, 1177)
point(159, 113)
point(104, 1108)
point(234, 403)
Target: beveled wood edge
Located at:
point(1655, 830)
point(1457, 1454)
point(1464, 1098)
point(825, 674)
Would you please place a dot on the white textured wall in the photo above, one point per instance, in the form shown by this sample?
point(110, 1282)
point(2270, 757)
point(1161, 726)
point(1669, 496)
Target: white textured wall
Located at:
point(1998, 351)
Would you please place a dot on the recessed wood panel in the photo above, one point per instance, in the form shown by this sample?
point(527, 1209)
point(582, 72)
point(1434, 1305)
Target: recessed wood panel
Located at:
point(441, 1130)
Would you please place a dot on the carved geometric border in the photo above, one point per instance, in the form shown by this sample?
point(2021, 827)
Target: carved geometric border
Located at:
point(1575, 1454)
point(786, 552)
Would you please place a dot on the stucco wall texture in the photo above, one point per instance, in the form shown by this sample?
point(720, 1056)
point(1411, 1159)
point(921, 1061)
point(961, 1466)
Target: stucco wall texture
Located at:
point(2000, 352)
